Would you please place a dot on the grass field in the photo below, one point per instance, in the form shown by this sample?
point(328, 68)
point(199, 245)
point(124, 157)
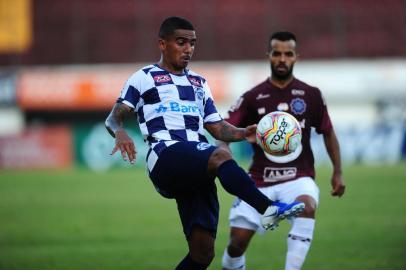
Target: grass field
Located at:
point(84, 220)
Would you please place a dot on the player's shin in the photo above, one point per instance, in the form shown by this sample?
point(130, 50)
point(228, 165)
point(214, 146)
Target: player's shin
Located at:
point(188, 263)
point(237, 182)
point(231, 263)
point(299, 241)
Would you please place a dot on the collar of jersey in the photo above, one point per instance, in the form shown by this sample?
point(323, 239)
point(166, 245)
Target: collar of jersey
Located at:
point(289, 85)
point(185, 71)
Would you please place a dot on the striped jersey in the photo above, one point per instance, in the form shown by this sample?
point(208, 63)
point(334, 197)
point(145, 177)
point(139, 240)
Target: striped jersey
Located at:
point(170, 107)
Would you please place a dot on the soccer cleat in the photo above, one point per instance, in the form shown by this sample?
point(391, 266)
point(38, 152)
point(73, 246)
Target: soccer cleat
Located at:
point(278, 211)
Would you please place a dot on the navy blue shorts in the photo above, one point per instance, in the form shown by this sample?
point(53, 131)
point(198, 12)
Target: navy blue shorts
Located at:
point(181, 173)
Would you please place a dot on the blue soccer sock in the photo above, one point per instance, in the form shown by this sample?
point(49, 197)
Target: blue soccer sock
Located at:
point(189, 264)
point(237, 182)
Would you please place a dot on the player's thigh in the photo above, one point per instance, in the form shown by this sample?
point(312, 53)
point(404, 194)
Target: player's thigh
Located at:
point(304, 187)
point(182, 167)
point(199, 208)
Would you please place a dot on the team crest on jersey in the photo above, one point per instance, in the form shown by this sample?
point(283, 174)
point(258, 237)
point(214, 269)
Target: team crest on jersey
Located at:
point(298, 92)
point(196, 81)
point(199, 92)
point(298, 106)
point(162, 78)
point(202, 146)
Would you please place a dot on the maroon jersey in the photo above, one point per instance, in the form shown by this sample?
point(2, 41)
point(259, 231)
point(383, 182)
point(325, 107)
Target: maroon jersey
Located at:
point(299, 99)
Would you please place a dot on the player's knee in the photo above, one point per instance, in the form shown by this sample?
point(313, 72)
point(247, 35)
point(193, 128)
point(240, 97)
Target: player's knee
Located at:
point(309, 211)
point(203, 255)
point(218, 157)
point(310, 206)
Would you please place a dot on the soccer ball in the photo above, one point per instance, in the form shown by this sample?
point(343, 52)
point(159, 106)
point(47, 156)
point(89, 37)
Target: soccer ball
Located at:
point(279, 134)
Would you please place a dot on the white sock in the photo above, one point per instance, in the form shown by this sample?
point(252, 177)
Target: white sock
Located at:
point(299, 241)
point(233, 263)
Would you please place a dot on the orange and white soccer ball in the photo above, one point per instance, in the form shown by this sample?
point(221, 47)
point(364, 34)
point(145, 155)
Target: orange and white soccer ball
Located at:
point(279, 134)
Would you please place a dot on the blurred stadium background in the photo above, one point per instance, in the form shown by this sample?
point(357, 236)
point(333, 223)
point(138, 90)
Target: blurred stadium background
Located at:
point(63, 63)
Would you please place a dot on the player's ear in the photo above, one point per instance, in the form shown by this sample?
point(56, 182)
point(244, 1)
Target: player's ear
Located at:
point(161, 44)
point(267, 54)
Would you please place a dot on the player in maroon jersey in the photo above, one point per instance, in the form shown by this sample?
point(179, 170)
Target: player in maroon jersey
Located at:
point(286, 179)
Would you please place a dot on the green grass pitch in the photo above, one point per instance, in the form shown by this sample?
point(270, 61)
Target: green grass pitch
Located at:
point(84, 220)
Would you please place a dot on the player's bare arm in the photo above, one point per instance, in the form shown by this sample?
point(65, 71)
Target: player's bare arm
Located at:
point(333, 150)
point(115, 126)
point(226, 132)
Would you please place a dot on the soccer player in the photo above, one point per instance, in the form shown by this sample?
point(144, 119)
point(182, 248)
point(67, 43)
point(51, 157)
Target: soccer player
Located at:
point(173, 106)
point(285, 179)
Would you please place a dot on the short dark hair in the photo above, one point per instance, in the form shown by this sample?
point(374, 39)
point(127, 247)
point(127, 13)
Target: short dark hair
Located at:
point(281, 36)
point(169, 25)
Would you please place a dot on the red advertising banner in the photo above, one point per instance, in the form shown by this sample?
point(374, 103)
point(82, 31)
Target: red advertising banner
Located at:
point(70, 88)
point(40, 147)
point(92, 87)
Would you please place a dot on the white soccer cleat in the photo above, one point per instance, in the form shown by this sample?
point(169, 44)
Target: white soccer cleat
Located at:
point(278, 211)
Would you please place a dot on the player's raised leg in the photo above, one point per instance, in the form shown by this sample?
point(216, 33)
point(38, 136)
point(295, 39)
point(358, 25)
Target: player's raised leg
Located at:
point(237, 182)
point(280, 211)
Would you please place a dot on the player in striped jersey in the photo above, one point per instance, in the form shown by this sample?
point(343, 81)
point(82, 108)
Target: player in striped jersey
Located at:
point(173, 106)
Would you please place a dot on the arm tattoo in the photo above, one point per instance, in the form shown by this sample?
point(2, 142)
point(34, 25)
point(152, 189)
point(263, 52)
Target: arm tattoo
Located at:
point(230, 133)
point(114, 121)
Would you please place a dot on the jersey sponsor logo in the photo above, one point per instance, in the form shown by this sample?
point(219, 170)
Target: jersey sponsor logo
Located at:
point(199, 93)
point(195, 81)
point(162, 78)
point(298, 92)
point(272, 174)
point(283, 106)
point(176, 107)
point(298, 106)
point(262, 96)
point(202, 146)
point(161, 109)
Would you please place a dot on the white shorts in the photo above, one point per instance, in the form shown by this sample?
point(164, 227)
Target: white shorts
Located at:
point(242, 215)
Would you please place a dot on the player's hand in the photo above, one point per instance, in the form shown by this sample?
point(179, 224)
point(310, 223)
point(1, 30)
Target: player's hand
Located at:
point(126, 146)
point(338, 185)
point(250, 133)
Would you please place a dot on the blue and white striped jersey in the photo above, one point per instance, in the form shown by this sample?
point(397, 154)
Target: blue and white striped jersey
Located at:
point(170, 108)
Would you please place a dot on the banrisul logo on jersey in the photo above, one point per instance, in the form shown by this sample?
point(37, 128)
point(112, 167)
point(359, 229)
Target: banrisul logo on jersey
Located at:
point(174, 106)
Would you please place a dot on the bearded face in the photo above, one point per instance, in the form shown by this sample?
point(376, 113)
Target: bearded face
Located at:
point(282, 58)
